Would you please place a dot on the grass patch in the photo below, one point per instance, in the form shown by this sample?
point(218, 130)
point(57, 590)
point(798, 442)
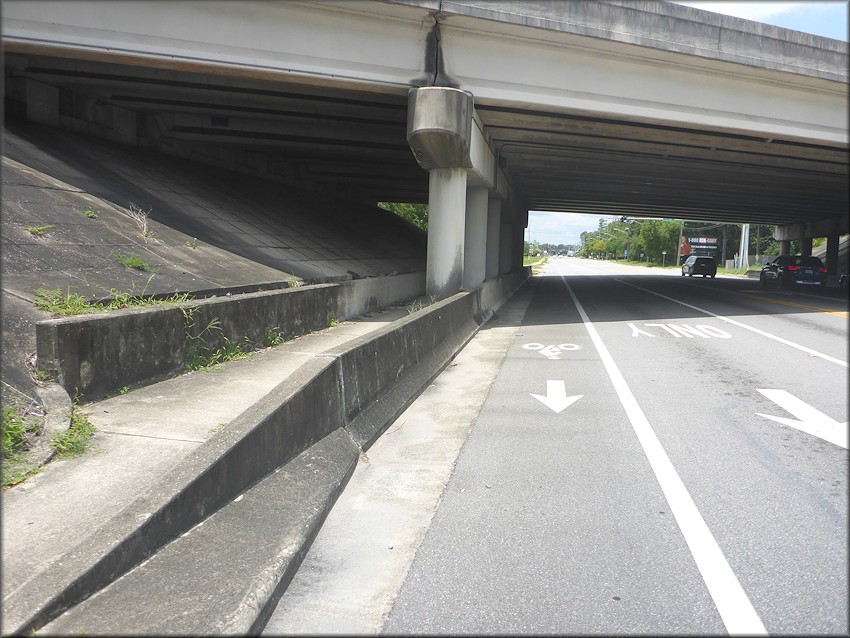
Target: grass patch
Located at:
point(18, 430)
point(77, 438)
point(65, 304)
point(536, 263)
point(210, 346)
point(21, 426)
point(37, 231)
point(419, 304)
point(91, 214)
point(69, 304)
point(332, 322)
point(274, 337)
point(132, 261)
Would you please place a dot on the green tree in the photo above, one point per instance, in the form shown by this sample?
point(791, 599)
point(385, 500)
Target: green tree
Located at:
point(657, 236)
point(414, 213)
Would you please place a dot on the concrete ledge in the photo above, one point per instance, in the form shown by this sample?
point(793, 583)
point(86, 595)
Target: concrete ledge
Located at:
point(96, 355)
point(353, 392)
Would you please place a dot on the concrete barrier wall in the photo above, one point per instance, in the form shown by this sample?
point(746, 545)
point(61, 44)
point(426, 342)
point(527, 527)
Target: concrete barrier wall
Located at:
point(384, 371)
point(495, 292)
point(96, 355)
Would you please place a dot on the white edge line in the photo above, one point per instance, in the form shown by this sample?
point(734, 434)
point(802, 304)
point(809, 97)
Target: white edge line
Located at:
point(729, 597)
point(814, 353)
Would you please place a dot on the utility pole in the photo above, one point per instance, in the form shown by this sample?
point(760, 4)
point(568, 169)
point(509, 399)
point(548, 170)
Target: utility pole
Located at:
point(743, 252)
point(679, 245)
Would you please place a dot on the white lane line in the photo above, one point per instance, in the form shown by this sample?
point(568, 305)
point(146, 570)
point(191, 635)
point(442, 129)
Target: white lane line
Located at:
point(814, 353)
point(738, 614)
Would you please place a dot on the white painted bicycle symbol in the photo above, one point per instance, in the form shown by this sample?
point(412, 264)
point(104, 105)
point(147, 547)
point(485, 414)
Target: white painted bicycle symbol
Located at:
point(551, 352)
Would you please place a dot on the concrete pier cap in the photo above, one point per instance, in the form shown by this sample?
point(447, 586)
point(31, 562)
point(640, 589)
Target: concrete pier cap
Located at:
point(439, 126)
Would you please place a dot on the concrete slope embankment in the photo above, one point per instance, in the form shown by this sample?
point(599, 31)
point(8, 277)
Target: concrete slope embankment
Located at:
point(179, 558)
point(73, 206)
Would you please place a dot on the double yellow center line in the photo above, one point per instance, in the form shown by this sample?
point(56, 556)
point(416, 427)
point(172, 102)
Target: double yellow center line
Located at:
point(836, 313)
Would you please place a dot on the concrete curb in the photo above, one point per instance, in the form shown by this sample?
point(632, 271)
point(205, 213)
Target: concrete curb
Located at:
point(360, 387)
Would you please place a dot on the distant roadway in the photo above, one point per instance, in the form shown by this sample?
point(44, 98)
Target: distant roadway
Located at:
point(656, 454)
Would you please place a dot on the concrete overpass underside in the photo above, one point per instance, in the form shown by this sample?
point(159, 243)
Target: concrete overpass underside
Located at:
point(579, 107)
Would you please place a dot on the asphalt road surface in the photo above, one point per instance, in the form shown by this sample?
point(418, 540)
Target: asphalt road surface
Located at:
point(651, 454)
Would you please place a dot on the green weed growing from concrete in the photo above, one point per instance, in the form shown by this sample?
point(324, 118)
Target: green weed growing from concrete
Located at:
point(65, 304)
point(91, 214)
point(37, 231)
point(332, 322)
point(192, 244)
point(274, 337)
point(18, 430)
point(22, 425)
point(200, 354)
point(68, 304)
point(77, 438)
point(132, 261)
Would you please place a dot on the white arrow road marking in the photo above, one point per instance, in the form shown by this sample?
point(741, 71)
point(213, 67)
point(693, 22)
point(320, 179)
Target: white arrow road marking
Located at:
point(556, 396)
point(809, 420)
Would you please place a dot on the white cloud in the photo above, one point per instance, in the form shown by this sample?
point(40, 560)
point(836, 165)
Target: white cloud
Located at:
point(560, 228)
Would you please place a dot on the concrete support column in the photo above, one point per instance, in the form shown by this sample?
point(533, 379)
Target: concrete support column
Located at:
point(832, 241)
point(446, 206)
point(785, 247)
point(516, 246)
point(506, 236)
point(806, 246)
point(494, 230)
point(475, 238)
point(439, 131)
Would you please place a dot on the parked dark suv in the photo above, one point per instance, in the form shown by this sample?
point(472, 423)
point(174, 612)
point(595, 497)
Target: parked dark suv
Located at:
point(788, 270)
point(697, 265)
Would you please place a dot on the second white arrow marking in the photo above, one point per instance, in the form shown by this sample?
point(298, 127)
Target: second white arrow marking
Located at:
point(810, 420)
point(556, 396)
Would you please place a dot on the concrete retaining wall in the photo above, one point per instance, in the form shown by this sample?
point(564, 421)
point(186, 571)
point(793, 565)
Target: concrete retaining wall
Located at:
point(96, 355)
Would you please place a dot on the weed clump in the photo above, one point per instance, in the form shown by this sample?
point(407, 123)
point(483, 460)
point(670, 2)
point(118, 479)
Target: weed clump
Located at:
point(77, 438)
point(68, 304)
point(37, 231)
point(210, 346)
point(22, 424)
point(132, 261)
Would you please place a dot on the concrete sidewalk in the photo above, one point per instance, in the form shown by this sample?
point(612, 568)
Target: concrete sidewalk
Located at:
point(142, 436)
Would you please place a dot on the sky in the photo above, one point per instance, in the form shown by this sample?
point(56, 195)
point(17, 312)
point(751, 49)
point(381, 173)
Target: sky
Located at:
point(828, 19)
